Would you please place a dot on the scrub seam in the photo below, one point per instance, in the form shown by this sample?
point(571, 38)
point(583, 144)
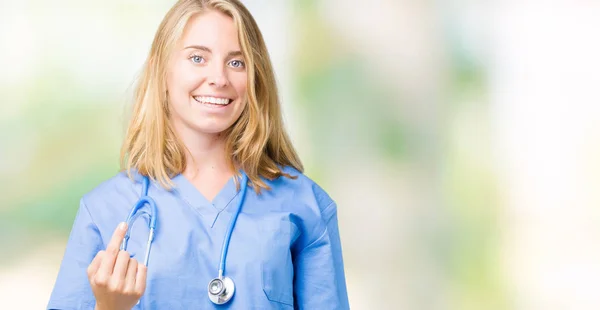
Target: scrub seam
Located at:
point(89, 213)
point(324, 212)
point(180, 196)
point(329, 206)
point(315, 241)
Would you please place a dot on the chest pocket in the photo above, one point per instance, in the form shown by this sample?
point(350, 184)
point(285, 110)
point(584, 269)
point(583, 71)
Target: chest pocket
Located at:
point(276, 261)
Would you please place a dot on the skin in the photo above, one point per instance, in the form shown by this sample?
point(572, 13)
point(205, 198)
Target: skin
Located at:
point(207, 62)
point(117, 280)
point(220, 72)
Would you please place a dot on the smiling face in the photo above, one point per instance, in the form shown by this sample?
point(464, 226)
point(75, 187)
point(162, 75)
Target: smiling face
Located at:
point(206, 76)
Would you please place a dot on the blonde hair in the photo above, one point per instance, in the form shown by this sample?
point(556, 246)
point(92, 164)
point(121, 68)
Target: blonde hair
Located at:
point(257, 141)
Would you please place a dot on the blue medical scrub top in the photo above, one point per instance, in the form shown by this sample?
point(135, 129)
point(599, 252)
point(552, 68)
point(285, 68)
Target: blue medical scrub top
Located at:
point(284, 252)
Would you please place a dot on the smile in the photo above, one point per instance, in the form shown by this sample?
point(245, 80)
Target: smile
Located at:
point(213, 100)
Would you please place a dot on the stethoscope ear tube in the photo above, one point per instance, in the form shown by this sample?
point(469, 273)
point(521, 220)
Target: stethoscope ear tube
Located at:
point(134, 214)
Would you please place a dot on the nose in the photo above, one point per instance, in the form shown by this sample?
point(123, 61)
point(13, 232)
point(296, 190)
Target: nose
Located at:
point(217, 76)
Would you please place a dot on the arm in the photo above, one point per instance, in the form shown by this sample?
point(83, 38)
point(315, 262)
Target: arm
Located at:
point(319, 269)
point(72, 289)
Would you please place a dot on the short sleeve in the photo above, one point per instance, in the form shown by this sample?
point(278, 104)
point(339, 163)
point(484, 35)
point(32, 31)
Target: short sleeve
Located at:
point(72, 289)
point(319, 281)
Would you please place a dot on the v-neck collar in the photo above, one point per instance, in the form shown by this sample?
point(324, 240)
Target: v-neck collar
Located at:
point(192, 196)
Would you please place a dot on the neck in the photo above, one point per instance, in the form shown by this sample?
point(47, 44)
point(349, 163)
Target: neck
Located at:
point(205, 155)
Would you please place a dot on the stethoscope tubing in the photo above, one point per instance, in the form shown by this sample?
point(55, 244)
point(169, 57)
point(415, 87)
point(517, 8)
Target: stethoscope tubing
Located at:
point(225, 246)
point(134, 214)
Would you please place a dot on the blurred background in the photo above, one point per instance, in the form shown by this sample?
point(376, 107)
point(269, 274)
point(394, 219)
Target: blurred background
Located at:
point(460, 139)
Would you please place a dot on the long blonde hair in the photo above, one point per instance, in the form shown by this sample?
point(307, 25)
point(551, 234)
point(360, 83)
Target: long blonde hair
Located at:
point(257, 141)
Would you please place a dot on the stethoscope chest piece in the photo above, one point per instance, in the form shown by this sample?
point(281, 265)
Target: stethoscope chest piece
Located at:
point(220, 290)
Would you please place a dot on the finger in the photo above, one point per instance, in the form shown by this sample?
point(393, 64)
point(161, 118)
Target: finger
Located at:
point(112, 250)
point(95, 264)
point(130, 277)
point(117, 238)
point(140, 279)
point(121, 264)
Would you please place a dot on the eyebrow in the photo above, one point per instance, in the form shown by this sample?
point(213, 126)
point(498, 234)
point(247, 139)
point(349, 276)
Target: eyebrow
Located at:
point(206, 49)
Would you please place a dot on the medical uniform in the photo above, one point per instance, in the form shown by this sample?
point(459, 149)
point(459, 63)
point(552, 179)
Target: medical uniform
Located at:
point(284, 251)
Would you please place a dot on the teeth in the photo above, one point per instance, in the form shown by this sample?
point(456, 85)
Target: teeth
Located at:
point(213, 100)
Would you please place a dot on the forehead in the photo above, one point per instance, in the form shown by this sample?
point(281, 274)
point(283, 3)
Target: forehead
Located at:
point(212, 29)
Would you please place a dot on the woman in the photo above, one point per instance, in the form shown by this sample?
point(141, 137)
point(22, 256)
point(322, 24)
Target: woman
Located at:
point(206, 125)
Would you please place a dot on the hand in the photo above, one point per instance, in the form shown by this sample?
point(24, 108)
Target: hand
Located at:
point(118, 281)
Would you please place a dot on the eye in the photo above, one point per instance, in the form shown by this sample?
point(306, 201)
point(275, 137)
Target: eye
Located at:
point(197, 59)
point(237, 64)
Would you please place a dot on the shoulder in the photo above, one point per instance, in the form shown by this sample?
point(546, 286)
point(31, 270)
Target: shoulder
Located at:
point(310, 207)
point(110, 201)
point(118, 184)
point(303, 191)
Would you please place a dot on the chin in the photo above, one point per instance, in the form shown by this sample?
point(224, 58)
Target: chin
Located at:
point(205, 128)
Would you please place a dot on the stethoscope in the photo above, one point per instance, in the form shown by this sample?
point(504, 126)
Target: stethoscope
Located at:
point(221, 288)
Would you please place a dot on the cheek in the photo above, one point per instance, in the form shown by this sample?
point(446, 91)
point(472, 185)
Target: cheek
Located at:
point(173, 85)
point(180, 80)
point(239, 83)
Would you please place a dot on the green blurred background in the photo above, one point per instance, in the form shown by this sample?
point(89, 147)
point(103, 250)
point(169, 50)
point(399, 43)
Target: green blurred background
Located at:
point(459, 138)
